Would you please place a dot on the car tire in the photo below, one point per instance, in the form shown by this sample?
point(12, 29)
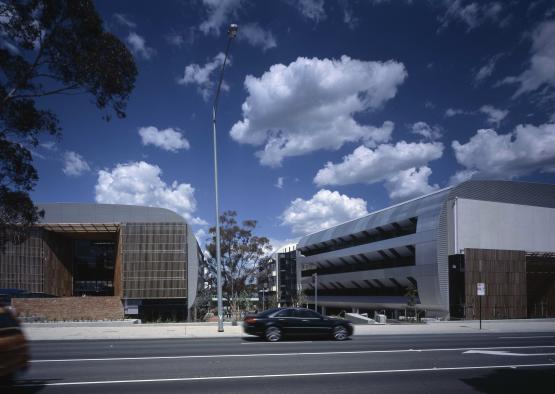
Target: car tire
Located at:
point(340, 333)
point(272, 334)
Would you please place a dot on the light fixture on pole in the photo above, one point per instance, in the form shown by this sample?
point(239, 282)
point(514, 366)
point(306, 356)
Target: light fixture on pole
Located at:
point(231, 33)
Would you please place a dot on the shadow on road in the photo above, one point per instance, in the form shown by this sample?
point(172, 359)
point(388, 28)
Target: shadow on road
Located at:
point(512, 381)
point(292, 339)
point(25, 386)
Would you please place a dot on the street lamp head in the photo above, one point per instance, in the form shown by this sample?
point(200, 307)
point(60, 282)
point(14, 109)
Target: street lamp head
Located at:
point(232, 31)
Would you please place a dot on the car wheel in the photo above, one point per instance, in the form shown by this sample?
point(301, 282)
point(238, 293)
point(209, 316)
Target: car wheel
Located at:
point(273, 334)
point(340, 333)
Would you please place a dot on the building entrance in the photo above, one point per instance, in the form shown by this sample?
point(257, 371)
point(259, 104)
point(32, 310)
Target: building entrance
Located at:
point(93, 267)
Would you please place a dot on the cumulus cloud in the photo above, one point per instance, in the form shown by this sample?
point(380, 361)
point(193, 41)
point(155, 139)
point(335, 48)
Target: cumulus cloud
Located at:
point(410, 183)
point(201, 76)
point(325, 209)
point(472, 14)
point(311, 9)
point(367, 165)
point(257, 36)
point(525, 150)
point(461, 176)
point(139, 47)
point(495, 116)
point(426, 131)
point(219, 13)
point(167, 139)
point(310, 105)
point(542, 64)
point(140, 183)
point(74, 164)
point(279, 182)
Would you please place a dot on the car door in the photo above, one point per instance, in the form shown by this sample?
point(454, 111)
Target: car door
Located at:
point(311, 323)
point(286, 320)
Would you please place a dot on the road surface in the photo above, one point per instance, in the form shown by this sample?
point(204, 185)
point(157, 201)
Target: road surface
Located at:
point(463, 363)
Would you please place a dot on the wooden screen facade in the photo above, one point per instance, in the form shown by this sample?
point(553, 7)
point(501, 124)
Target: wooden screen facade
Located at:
point(39, 264)
point(504, 275)
point(154, 260)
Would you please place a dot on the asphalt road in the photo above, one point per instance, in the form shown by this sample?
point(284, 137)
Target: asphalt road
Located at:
point(481, 363)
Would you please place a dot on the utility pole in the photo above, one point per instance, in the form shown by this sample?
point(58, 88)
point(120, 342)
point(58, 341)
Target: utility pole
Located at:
point(232, 32)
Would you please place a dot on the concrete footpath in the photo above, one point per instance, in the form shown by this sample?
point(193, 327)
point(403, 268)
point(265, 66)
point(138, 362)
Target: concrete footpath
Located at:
point(129, 330)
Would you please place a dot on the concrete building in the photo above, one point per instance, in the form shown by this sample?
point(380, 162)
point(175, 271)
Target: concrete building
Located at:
point(277, 280)
point(500, 233)
point(147, 257)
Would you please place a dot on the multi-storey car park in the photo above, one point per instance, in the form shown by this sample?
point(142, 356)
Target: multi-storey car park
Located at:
point(500, 233)
point(146, 257)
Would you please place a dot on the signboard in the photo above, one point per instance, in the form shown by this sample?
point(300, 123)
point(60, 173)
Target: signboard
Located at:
point(481, 289)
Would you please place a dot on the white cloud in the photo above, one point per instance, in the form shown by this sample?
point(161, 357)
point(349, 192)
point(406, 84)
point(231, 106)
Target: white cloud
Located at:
point(175, 39)
point(461, 176)
point(200, 75)
point(310, 105)
point(426, 131)
point(49, 145)
point(166, 139)
point(124, 20)
point(454, 112)
point(256, 36)
point(140, 183)
point(472, 14)
point(311, 9)
point(410, 183)
point(495, 115)
point(139, 47)
point(74, 164)
point(542, 64)
point(526, 150)
point(219, 13)
point(486, 70)
point(367, 165)
point(325, 209)
point(279, 182)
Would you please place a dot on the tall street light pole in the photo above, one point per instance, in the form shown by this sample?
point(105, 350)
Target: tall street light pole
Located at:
point(231, 32)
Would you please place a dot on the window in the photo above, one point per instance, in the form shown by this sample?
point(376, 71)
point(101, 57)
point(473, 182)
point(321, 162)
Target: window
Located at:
point(307, 314)
point(284, 313)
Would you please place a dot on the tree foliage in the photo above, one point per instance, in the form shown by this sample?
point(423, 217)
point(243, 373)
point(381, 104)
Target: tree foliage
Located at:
point(241, 252)
point(50, 47)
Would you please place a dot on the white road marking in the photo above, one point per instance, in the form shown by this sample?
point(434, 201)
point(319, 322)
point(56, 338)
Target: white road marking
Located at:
point(311, 374)
point(501, 353)
point(284, 354)
point(274, 343)
point(538, 336)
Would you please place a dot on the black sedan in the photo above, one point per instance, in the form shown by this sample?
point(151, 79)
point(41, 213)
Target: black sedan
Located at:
point(274, 324)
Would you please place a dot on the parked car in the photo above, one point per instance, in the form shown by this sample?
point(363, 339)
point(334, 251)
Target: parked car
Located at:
point(274, 324)
point(14, 353)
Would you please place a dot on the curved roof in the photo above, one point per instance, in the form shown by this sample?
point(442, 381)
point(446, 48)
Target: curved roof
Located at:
point(106, 213)
point(524, 193)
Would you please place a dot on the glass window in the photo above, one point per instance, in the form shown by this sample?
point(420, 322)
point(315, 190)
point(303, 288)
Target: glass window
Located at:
point(284, 313)
point(307, 313)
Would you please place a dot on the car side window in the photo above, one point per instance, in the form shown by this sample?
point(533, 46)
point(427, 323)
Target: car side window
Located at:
point(283, 313)
point(306, 314)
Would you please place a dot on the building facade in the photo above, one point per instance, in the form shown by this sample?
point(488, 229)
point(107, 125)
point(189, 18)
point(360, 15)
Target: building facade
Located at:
point(277, 280)
point(148, 257)
point(500, 233)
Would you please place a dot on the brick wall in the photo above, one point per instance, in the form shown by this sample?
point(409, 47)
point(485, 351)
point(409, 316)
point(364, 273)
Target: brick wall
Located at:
point(69, 308)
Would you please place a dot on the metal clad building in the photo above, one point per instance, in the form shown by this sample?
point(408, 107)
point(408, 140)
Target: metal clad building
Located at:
point(370, 262)
point(140, 254)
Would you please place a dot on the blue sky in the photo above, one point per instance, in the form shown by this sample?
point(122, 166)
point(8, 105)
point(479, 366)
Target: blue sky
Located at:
point(330, 109)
